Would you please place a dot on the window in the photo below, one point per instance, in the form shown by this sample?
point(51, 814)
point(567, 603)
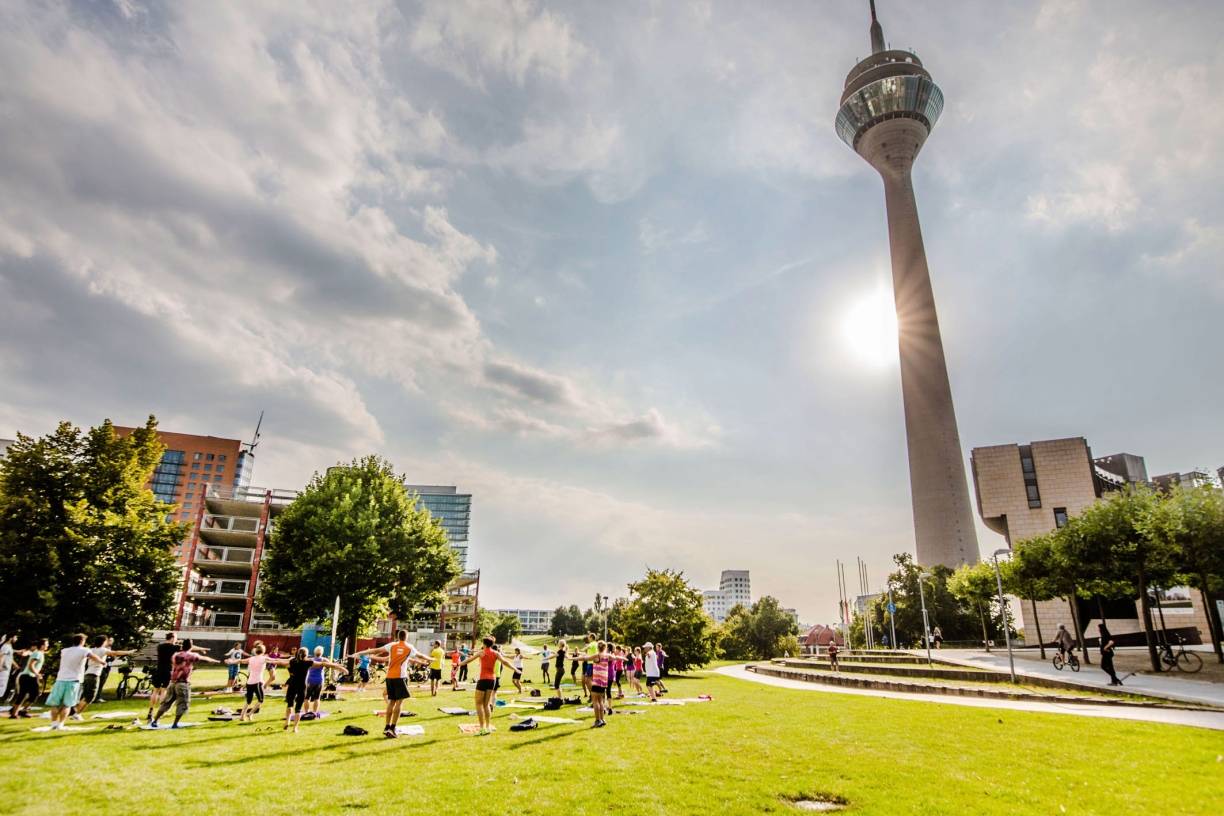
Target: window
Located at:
point(196, 456)
point(220, 468)
point(208, 467)
point(189, 495)
point(1060, 517)
point(195, 465)
point(211, 457)
point(221, 457)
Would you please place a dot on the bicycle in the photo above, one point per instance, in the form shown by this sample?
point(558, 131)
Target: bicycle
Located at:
point(1182, 660)
point(131, 686)
point(1071, 661)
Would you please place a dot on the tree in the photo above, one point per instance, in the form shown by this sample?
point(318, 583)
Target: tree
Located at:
point(955, 620)
point(507, 628)
point(566, 621)
point(84, 544)
point(1192, 521)
point(761, 632)
point(1116, 534)
point(1028, 575)
point(664, 608)
point(486, 621)
point(975, 585)
point(355, 532)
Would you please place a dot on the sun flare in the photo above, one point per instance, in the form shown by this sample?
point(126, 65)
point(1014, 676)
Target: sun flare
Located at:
point(869, 328)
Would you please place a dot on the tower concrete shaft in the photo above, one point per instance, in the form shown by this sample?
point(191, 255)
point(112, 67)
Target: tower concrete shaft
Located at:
point(888, 108)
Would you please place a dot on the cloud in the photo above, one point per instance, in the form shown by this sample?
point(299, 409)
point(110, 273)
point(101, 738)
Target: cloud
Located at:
point(537, 386)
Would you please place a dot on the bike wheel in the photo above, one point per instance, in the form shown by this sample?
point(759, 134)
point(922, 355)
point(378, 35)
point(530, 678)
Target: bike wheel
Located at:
point(1058, 663)
point(1189, 662)
point(122, 689)
point(1075, 664)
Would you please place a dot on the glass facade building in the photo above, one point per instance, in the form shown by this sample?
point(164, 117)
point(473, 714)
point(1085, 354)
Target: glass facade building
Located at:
point(914, 97)
point(452, 509)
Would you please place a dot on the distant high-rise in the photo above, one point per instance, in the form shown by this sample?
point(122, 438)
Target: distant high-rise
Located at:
point(888, 108)
point(734, 589)
point(452, 509)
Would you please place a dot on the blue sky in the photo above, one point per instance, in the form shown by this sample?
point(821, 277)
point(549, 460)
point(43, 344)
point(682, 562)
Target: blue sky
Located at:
point(605, 265)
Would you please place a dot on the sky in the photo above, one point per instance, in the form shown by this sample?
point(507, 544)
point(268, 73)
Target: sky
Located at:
point(606, 266)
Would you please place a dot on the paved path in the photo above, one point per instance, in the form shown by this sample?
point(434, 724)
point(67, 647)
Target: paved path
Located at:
point(1167, 686)
point(1200, 719)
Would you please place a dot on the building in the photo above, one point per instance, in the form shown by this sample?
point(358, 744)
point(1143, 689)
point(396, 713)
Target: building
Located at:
point(452, 509)
point(734, 589)
point(191, 464)
point(4, 446)
point(533, 621)
point(888, 107)
point(1028, 490)
point(1189, 480)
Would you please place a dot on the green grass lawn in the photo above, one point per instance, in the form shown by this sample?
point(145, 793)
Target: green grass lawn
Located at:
point(742, 753)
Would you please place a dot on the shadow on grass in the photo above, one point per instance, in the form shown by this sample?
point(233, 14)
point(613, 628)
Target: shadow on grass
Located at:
point(569, 731)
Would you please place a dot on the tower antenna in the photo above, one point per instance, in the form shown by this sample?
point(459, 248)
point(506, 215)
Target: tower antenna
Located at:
point(877, 31)
point(250, 446)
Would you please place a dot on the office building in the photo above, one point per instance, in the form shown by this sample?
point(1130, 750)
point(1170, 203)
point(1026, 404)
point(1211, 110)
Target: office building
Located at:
point(1028, 490)
point(452, 509)
point(533, 621)
point(4, 446)
point(888, 107)
point(734, 589)
point(1188, 480)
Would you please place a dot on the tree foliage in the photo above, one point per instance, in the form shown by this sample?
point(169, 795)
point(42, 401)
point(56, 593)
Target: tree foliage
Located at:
point(955, 619)
point(507, 628)
point(975, 585)
point(664, 608)
point(566, 620)
point(84, 544)
point(355, 532)
point(761, 632)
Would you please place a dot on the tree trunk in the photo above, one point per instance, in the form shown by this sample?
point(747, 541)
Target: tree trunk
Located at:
point(982, 618)
point(1146, 614)
point(1073, 602)
point(1037, 624)
point(1213, 618)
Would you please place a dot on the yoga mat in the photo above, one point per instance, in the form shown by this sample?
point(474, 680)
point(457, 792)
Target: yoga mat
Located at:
point(410, 730)
point(586, 710)
point(458, 712)
point(473, 728)
point(694, 700)
point(554, 720)
point(43, 729)
point(118, 715)
point(149, 726)
point(525, 705)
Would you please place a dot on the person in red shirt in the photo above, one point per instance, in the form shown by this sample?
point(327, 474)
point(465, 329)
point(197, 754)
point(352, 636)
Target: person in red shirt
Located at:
point(179, 694)
point(489, 657)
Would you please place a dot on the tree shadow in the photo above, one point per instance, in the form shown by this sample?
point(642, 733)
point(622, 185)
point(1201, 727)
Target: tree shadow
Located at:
point(569, 731)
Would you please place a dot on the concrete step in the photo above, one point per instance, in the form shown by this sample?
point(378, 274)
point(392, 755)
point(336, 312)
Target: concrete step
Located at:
point(939, 671)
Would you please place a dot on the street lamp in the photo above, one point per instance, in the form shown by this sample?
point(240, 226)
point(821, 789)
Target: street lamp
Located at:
point(1011, 661)
point(926, 624)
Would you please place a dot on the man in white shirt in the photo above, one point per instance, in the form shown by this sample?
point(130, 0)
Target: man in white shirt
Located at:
point(91, 687)
point(651, 661)
point(67, 688)
point(6, 663)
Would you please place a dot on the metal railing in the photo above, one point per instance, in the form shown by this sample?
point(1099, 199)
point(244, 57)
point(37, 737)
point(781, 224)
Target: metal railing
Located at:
point(230, 524)
point(255, 495)
point(227, 555)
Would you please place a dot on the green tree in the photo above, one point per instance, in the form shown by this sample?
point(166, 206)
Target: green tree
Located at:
point(955, 620)
point(975, 586)
point(735, 634)
point(507, 628)
point(486, 621)
point(1028, 575)
point(355, 532)
point(664, 608)
point(1116, 534)
point(558, 626)
point(84, 544)
point(1192, 521)
point(761, 632)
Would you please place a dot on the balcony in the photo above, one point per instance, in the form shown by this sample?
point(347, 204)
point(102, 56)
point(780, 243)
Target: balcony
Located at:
point(246, 501)
point(225, 590)
point(224, 560)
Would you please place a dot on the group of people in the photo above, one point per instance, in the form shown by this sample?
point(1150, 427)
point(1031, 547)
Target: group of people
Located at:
point(1065, 642)
point(81, 673)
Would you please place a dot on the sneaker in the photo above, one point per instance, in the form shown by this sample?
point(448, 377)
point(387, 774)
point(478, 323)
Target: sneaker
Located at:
point(599, 724)
point(76, 717)
point(25, 715)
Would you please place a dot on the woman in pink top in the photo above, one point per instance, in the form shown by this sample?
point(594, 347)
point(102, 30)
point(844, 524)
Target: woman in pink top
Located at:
point(256, 663)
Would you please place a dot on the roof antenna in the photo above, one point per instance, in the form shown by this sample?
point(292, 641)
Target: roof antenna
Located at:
point(877, 32)
point(250, 446)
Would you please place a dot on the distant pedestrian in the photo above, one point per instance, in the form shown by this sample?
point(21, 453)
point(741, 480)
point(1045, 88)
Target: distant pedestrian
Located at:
point(179, 694)
point(832, 652)
point(436, 657)
point(6, 663)
point(1107, 654)
point(231, 659)
point(30, 679)
point(464, 651)
point(937, 637)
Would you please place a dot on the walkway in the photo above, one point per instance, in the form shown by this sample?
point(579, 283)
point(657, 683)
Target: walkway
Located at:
point(1166, 686)
point(1200, 719)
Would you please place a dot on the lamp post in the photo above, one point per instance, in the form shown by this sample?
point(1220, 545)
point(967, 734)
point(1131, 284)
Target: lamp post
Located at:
point(1011, 661)
point(926, 624)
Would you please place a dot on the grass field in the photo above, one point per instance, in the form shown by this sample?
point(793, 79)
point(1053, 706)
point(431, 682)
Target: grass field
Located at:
point(745, 752)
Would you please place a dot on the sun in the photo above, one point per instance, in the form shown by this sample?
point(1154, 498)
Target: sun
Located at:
point(869, 328)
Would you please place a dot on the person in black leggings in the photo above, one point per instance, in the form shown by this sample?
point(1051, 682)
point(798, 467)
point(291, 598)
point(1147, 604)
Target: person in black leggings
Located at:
point(559, 674)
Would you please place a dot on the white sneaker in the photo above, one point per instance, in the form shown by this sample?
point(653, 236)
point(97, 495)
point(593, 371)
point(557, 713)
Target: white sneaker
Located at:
point(76, 717)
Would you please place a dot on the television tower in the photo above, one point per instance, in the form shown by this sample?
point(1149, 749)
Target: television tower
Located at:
point(888, 107)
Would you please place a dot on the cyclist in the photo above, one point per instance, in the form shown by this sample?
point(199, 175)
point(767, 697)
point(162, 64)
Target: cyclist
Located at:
point(1065, 643)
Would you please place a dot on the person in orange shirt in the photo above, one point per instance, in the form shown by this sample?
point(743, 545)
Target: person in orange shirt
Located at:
point(489, 657)
point(399, 653)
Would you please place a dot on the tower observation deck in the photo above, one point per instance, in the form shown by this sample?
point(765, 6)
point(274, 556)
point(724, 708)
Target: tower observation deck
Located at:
point(888, 107)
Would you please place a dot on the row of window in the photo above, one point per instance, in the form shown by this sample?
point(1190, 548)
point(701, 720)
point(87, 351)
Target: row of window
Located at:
point(197, 456)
